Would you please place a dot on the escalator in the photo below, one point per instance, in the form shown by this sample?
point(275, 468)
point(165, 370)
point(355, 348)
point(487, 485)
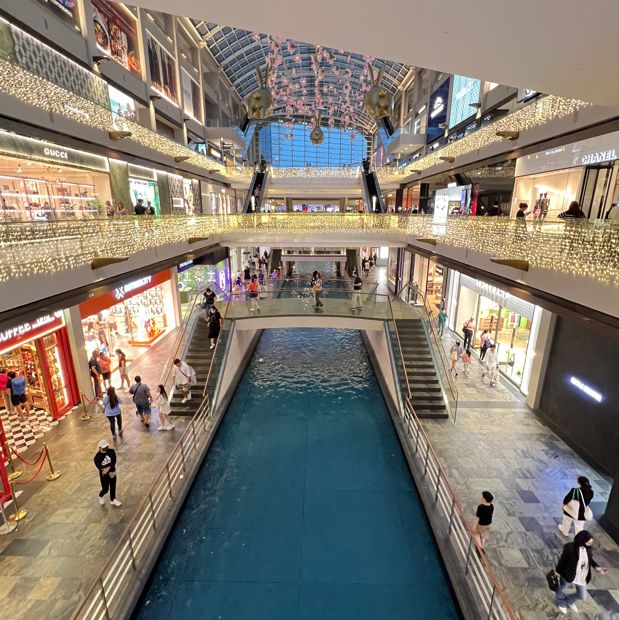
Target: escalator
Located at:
point(372, 197)
point(257, 191)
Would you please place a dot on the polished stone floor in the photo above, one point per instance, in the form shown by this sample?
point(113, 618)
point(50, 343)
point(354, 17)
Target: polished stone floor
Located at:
point(498, 444)
point(52, 559)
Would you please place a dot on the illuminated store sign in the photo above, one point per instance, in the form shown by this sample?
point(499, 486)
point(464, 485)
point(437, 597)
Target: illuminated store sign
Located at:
point(596, 158)
point(10, 338)
point(121, 291)
point(437, 112)
point(586, 389)
point(184, 266)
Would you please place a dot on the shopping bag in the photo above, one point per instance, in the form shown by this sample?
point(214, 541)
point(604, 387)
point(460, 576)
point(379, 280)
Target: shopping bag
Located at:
point(553, 580)
point(573, 506)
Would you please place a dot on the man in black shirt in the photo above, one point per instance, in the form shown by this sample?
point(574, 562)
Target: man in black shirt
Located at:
point(139, 208)
point(95, 372)
point(483, 518)
point(356, 296)
point(105, 462)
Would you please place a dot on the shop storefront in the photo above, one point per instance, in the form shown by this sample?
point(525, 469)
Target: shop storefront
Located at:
point(143, 185)
point(42, 181)
point(584, 171)
point(185, 195)
point(40, 351)
point(508, 319)
point(193, 278)
point(457, 198)
point(132, 317)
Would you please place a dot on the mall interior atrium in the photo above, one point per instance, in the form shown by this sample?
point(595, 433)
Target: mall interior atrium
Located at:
point(309, 312)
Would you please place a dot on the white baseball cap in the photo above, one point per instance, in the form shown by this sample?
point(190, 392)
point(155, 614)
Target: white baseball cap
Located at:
point(104, 443)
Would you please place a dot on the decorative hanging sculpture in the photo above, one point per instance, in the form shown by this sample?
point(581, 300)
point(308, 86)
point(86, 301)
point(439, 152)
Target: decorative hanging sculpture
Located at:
point(259, 103)
point(378, 101)
point(317, 136)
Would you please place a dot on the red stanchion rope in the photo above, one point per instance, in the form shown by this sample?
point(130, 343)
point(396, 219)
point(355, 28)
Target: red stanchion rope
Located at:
point(95, 400)
point(35, 475)
point(25, 462)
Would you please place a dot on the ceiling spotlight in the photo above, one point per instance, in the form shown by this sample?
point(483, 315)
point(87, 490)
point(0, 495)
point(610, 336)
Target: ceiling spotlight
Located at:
point(448, 159)
point(475, 105)
point(180, 158)
point(154, 97)
point(509, 135)
point(119, 135)
point(99, 60)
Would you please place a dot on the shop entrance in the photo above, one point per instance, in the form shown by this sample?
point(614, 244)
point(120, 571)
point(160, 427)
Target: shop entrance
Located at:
point(595, 190)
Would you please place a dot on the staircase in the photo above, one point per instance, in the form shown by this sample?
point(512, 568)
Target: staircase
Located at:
point(199, 356)
point(426, 392)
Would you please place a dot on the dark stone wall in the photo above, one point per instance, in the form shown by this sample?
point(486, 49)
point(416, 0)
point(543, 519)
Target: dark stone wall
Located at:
point(591, 428)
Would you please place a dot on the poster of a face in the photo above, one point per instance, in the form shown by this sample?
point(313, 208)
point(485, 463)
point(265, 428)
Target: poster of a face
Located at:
point(162, 71)
point(116, 33)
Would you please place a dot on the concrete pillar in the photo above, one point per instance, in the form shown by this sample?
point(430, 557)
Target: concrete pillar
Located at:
point(77, 344)
point(119, 183)
point(165, 203)
point(276, 258)
point(353, 259)
point(289, 205)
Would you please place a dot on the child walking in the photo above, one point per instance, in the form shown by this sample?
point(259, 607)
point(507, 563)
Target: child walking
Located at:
point(466, 362)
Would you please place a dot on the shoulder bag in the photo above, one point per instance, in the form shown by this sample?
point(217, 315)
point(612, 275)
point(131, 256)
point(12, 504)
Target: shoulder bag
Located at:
point(573, 506)
point(588, 513)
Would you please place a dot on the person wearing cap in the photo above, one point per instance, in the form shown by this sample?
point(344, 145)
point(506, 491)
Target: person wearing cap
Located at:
point(574, 568)
point(105, 462)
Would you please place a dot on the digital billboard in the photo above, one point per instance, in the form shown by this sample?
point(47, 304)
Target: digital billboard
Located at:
point(465, 91)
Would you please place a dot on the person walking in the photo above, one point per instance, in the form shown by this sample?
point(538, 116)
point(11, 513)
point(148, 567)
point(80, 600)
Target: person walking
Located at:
point(357, 285)
point(5, 391)
point(19, 399)
point(576, 507)
point(442, 320)
point(317, 290)
point(467, 329)
point(364, 266)
point(139, 208)
point(214, 321)
point(105, 462)
point(142, 399)
point(95, 372)
point(375, 257)
point(184, 378)
point(491, 366)
point(483, 518)
point(122, 369)
point(454, 354)
point(111, 408)
point(105, 363)
point(466, 362)
point(209, 299)
point(253, 288)
point(484, 343)
point(574, 568)
point(161, 406)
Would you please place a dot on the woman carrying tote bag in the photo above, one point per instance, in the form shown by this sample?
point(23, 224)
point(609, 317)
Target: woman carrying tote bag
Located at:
point(576, 507)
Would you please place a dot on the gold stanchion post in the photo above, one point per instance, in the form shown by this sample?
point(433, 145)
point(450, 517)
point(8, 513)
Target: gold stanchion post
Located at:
point(19, 513)
point(85, 416)
point(15, 473)
point(53, 475)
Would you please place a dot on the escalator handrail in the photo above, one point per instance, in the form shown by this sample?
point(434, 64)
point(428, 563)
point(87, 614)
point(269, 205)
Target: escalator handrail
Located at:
point(397, 335)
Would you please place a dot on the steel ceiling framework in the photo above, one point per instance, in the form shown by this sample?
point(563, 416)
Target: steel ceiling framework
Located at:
point(340, 92)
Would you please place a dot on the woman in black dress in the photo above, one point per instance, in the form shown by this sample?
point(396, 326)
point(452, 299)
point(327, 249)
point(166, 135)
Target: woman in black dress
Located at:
point(214, 325)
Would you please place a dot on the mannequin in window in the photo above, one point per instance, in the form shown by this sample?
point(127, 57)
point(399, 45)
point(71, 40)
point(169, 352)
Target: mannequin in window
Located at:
point(544, 206)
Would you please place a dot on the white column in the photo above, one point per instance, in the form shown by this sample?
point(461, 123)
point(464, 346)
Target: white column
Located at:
point(540, 342)
point(77, 344)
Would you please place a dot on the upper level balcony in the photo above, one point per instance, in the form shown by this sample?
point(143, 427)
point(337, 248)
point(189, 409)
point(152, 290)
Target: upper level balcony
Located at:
point(573, 261)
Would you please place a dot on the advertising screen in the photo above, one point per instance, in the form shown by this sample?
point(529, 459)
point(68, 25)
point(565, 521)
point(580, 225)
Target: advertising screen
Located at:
point(122, 106)
point(191, 95)
point(65, 9)
point(162, 70)
point(116, 33)
point(437, 112)
point(465, 91)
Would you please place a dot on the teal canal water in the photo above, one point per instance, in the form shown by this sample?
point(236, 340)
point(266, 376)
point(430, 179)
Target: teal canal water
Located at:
point(304, 507)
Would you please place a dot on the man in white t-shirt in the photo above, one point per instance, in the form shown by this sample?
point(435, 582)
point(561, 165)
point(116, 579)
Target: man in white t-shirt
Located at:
point(183, 378)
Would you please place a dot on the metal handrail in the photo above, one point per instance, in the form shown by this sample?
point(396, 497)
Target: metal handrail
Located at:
point(142, 527)
point(454, 509)
point(397, 335)
point(437, 342)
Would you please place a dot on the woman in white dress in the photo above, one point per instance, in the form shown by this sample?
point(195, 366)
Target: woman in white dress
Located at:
point(161, 404)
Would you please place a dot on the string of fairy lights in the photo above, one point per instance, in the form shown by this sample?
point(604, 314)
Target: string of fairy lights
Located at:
point(578, 249)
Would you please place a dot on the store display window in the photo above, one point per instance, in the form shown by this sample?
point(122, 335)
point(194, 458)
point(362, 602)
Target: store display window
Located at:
point(132, 317)
point(547, 193)
point(507, 319)
point(145, 190)
point(45, 362)
point(37, 191)
point(392, 266)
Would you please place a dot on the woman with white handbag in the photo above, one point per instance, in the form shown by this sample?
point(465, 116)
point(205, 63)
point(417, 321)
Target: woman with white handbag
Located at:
point(576, 507)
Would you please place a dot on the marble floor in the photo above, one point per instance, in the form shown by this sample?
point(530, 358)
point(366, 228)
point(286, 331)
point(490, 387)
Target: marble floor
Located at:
point(51, 560)
point(498, 444)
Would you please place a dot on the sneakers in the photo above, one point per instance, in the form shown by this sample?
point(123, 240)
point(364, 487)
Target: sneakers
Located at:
point(120, 432)
point(186, 399)
point(102, 500)
point(562, 609)
point(212, 345)
point(573, 607)
point(116, 503)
